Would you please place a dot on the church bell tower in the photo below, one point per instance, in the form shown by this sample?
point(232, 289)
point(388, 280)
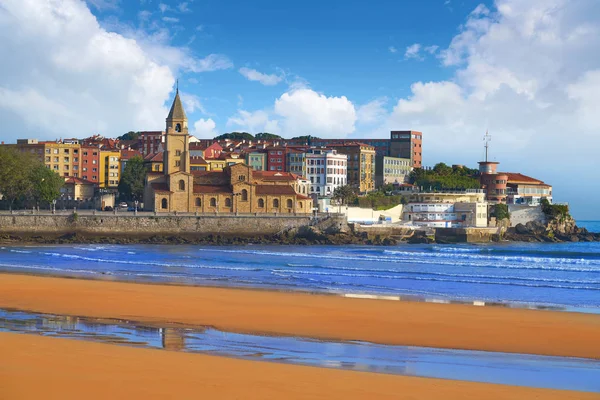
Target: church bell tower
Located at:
point(177, 139)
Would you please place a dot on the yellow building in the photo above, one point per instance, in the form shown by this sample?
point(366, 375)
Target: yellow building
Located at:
point(110, 168)
point(154, 162)
point(60, 156)
point(361, 165)
point(78, 189)
point(233, 189)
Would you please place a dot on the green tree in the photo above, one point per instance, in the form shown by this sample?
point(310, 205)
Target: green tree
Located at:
point(131, 186)
point(235, 136)
point(267, 136)
point(131, 135)
point(46, 184)
point(15, 168)
point(346, 194)
point(500, 211)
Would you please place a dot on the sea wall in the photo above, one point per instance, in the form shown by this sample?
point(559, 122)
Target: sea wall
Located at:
point(110, 224)
point(465, 235)
point(522, 214)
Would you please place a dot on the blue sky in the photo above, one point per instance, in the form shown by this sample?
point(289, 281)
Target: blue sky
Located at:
point(526, 70)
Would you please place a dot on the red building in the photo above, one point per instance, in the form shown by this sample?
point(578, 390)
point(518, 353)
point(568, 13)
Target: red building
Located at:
point(276, 158)
point(126, 155)
point(150, 141)
point(89, 163)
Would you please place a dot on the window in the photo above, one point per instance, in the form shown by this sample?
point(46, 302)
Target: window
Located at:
point(244, 195)
point(261, 203)
point(181, 185)
point(242, 178)
point(289, 203)
point(228, 202)
point(157, 167)
point(198, 202)
point(93, 161)
point(177, 163)
point(178, 128)
point(300, 205)
point(94, 177)
point(66, 151)
point(213, 202)
point(177, 152)
point(275, 203)
point(164, 204)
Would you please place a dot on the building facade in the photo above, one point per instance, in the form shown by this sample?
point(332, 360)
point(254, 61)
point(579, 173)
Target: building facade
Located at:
point(361, 165)
point(326, 170)
point(90, 164)
point(391, 170)
point(257, 161)
point(407, 144)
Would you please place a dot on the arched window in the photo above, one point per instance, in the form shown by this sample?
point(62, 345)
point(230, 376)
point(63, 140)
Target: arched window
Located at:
point(290, 203)
point(300, 205)
point(275, 203)
point(261, 203)
point(178, 128)
point(213, 202)
point(244, 195)
point(198, 202)
point(181, 185)
point(163, 204)
point(227, 202)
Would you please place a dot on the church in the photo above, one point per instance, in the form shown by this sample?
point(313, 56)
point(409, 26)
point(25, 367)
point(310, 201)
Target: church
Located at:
point(235, 189)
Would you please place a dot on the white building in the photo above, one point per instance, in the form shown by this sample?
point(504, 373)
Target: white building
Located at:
point(447, 210)
point(326, 170)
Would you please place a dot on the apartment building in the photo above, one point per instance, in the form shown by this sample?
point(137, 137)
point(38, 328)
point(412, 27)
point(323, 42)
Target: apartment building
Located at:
point(361, 165)
point(391, 170)
point(90, 163)
point(326, 170)
point(407, 144)
point(110, 169)
point(257, 160)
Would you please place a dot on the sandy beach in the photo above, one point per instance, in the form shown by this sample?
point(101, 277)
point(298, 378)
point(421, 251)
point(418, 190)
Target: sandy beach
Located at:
point(71, 369)
point(318, 316)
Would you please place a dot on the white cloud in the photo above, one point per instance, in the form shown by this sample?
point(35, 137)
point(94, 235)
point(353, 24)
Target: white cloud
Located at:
point(170, 20)
point(431, 49)
point(205, 129)
point(253, 122)
point(183, 7)
point(265, 79)
point(163, 7)
point(529, 71)
point(372, 112)
point(192, 103)
point(103, 5)
point(413, 51)
point(392, 49)
point(68, 76)
point(305, 111)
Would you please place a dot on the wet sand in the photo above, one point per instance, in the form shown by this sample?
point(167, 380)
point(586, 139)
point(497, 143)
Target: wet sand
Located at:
point(318, 316)
point(40, 367)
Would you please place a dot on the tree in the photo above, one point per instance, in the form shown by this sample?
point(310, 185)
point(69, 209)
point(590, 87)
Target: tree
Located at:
point(131, 186)
point(267, 136)
point(444, 177)
point(345, 194)
point(235, 136)
point(46, 184)
point(15, 168)
point(307, 138)
point(131, 135)
point(500, 211)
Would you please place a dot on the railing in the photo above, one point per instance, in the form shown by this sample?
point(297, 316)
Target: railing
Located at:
point(123, 213)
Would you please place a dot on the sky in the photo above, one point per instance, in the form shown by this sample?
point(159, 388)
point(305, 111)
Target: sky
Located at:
point(527, 71)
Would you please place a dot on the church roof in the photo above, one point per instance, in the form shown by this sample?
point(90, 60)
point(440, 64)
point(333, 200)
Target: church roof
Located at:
point(212, 189)
point(274, 189)
point(177, 111)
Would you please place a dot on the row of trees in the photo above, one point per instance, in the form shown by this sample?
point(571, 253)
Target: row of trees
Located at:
point(442, 176)
point(24, 177)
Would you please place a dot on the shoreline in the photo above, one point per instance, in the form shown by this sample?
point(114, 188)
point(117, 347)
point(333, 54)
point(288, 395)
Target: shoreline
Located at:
point(65, 368)
point(318, 316)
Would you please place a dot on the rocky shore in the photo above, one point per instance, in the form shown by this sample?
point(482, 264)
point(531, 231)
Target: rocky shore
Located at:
point(550, 233)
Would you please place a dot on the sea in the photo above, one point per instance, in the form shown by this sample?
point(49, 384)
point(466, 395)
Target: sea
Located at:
point(561, 275)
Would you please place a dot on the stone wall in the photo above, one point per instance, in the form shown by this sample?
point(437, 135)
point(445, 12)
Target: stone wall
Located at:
point(522, 214)
point(108, 224)
point(464, 235)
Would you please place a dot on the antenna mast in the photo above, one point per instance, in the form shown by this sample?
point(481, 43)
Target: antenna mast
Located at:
point(487, 139)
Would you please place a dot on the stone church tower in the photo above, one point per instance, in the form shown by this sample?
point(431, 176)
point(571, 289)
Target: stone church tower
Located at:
point(177, 140)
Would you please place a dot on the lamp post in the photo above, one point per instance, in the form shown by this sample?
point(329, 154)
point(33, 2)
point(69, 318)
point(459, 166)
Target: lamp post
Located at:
point(136, 205)
point(54, 206)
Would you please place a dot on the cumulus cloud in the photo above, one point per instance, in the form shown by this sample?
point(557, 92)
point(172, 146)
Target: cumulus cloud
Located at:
point(529, 71)
point(170, 20)
point(305, 111)
point(254, 121)
point(103, 5)
point(265, 79)
point(372, 112)
point(205, 129)
point(68, 76)
point(392, 49)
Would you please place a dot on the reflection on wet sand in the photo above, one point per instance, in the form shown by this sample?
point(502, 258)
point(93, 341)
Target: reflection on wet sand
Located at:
point(503, 368)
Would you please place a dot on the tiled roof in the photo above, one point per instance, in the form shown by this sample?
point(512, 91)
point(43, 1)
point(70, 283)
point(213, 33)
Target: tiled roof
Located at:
point(274, 189)
point(514, 177)
point(212, 189)
point(302, 197)
point(156, 157)
point(197, 161)
point(274, 176)
point(160, 187)
point(79, 181)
